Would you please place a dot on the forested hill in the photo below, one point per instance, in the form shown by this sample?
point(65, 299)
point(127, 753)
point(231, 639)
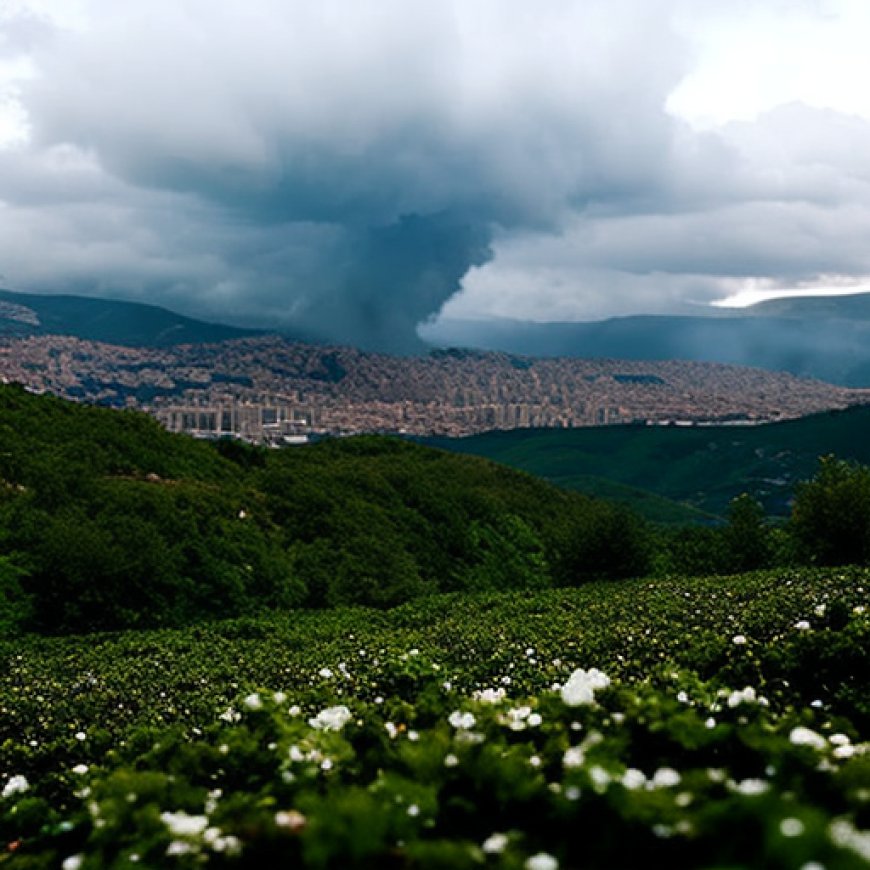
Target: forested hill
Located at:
point(131, 324)
point(106, 520)
point(703, 467)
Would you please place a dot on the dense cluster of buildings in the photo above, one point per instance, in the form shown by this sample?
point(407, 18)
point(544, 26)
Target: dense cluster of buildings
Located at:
point(269, 389)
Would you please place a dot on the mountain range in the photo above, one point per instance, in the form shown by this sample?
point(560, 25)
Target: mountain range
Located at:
point(824, 338)
point(130, 324)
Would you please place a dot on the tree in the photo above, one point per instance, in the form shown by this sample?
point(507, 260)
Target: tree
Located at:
point(830, 519)
point(746, 537)
point(16, 607)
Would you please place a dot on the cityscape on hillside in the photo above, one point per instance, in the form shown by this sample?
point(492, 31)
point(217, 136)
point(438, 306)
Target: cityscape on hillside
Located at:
point(270, 389)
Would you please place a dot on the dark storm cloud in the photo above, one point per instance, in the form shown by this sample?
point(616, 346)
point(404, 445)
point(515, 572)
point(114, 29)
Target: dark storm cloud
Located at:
point(346, 167)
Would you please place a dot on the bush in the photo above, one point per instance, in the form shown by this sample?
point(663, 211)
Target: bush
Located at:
point(830, 519)
point(746, 538)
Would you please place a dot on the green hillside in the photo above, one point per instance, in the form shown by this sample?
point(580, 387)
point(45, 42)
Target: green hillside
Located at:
point(126, 323)
point(107, 520)
point(703, 468)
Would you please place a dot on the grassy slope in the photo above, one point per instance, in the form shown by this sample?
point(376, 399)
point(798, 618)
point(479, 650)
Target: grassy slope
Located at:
point(702, 467)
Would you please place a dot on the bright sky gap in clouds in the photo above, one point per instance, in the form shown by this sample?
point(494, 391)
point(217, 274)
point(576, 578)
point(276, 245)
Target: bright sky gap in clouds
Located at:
point(357, 169)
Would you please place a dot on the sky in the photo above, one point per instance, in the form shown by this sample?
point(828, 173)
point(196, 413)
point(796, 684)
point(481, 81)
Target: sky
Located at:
point(364, 172)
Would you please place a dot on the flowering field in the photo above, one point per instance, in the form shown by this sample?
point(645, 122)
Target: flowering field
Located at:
point(703, 722)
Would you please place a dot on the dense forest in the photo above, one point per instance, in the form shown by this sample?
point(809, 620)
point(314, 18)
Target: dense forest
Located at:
point(107, 521)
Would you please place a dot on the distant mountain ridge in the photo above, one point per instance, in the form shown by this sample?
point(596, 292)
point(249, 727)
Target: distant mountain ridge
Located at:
point(823, 338)
point(852, 307)
point(130, 324)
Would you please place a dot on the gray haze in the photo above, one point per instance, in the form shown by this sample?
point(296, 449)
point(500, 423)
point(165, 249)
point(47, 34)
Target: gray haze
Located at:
point(349, 169)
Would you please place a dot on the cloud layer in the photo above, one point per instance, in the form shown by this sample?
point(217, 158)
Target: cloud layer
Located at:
point(348, 169)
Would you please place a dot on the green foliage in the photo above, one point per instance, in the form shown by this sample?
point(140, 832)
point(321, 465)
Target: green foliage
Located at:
point(699, 469)
point(609, 542)
point(831, 516)
point(693, 550)
point(15, 605)
point(123, 524)
point(431, 735)
point(746, 537)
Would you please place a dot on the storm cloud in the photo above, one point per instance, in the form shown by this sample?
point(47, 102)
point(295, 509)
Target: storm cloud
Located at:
point(349, 171)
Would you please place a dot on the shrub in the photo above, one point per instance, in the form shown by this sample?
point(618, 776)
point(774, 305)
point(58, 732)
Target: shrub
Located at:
point(830, 519)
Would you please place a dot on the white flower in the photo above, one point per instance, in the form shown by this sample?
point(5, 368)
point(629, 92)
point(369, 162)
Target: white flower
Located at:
point(600, 778)
point(495, 844)
point(791, 827)
point(742, 696)
point(331, 719)
point(819, 610)
point(181, 824)
point(292, 819)
point(80, 735)
point(845, 835)
point(73, 862)
point(582, 685)
point(665, 777)
point(490, 696)
point(253, 702)
point(450, 760)
point(752, 787)
point(802, 625)
point(574, 757)
point(17, 784)
point(633, 778)
point(738, 639)
point(179, 847)
point(80, 769)
point(413, 811)
point(801, 736)
point(461, 721)
point(541, 861)
point(326, 673)
point(535, 719)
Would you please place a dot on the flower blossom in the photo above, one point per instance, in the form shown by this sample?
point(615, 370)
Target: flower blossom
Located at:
point(490, 696)
point(17, 784)
point(461, 721)
point(582, 685)
point(495, 844)
point(802, 736)
point(746, 695)
point(542, 861)
point(181, 824)
point(331, 719)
